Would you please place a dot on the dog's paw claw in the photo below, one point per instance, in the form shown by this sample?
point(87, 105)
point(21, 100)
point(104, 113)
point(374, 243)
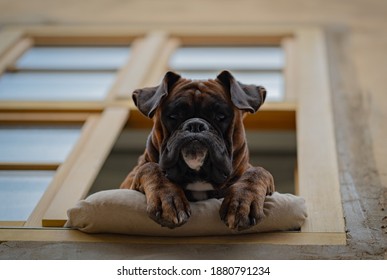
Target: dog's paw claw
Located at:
point(182, 217)
point(239, 211)
point(169, 209)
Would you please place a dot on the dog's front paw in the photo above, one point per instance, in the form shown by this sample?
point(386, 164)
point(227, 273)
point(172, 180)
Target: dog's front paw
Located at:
point(241, 209)
point(168, 206)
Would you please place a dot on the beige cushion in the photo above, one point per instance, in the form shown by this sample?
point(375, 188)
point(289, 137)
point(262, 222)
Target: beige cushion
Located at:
point(124, 211)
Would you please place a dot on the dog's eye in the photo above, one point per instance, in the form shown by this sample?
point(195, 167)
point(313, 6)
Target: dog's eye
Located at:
point(173, 116)
point(220, 117)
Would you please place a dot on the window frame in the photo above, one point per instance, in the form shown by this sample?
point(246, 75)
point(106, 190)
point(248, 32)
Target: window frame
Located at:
point(41, 119)
point(308, 109)
point(96, 118)
point(67, 185)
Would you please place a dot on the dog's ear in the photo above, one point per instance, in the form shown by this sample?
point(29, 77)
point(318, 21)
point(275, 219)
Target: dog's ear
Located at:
point(244, 97)
point(148, 99)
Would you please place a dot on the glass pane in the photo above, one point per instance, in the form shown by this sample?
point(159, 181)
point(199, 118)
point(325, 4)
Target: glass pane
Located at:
point(272, 81)
point(36, 144)
point(232, 58)
point(55, 86)
point(74, 58)
point(20, 191)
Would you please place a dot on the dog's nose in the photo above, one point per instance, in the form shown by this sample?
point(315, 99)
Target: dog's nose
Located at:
point(195, 125)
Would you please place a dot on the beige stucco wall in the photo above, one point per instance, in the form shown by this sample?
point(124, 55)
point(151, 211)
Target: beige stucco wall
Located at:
point(363, 21)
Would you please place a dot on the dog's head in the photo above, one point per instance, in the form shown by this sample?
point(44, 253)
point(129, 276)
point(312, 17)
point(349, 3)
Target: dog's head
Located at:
point(198, 125)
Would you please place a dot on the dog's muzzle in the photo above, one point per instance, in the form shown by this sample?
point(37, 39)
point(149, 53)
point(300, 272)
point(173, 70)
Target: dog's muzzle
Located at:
point(195, 152)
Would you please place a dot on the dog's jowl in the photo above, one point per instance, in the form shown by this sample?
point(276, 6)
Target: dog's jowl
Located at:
point(197, 150)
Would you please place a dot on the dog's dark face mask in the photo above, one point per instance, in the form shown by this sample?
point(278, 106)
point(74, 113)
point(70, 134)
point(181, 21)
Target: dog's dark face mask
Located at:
point(199, 147)
point(197, 121)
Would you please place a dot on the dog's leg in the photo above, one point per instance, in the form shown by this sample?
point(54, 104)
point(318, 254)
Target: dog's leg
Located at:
point(242, 206)
point(166, 202)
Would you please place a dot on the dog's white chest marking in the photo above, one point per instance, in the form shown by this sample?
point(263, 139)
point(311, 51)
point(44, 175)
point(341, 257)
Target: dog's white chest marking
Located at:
point(200, 187)
point(199, 190)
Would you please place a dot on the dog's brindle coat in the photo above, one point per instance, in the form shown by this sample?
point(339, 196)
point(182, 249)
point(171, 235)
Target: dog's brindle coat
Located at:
point(198, 137)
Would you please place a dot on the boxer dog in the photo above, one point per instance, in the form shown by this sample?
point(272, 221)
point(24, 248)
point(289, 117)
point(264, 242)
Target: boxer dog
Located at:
point(197, 150)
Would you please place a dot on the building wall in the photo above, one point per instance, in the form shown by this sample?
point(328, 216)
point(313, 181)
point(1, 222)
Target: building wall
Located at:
point(359, 29)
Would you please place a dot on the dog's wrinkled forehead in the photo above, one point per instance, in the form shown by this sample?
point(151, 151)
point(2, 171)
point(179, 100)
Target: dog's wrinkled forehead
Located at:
point(199, 91)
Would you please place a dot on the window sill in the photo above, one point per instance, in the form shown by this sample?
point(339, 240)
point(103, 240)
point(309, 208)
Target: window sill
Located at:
point(275, 238)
